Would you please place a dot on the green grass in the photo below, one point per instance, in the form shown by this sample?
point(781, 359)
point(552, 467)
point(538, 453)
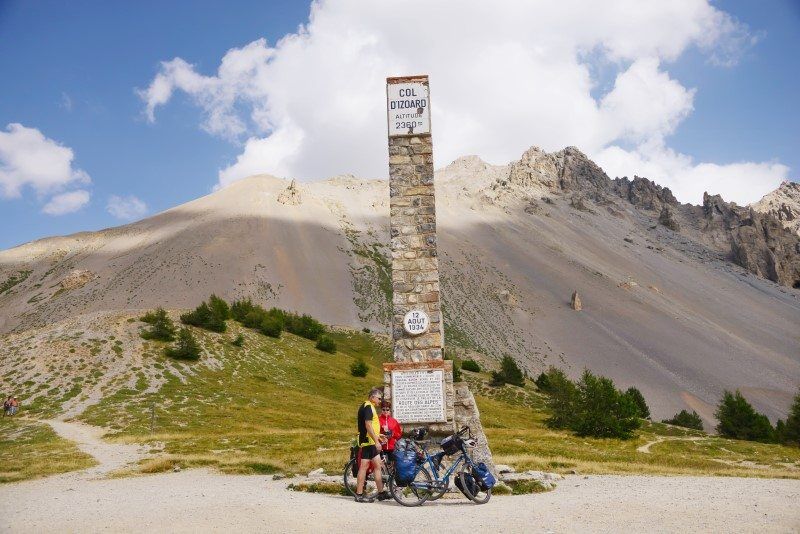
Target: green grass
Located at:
point(282, 405)
point(269, 405)
point(29, 450)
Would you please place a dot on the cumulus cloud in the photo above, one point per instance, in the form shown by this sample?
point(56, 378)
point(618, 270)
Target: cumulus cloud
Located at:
point(28, 158)
point(67, 202)
point(742, 182)
point(126, 208)
point(504, 75)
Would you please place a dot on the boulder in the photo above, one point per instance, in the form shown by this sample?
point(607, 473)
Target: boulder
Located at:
point(317, 473)
point(667, 218)
point(575, 302)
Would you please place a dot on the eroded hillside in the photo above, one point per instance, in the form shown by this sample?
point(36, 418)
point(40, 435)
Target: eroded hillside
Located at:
point(665, 306)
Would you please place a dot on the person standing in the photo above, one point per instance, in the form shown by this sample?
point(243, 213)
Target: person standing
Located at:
point(369, 442)
point(14, 406)
point(390, 427)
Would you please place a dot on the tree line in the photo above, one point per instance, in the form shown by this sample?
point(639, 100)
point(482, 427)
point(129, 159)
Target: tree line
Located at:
point(212, 315)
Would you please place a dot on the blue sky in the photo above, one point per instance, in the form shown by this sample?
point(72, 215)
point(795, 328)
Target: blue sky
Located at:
point(71, 71)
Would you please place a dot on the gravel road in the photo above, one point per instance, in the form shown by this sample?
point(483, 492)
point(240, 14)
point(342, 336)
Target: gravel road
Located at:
point(199, 500)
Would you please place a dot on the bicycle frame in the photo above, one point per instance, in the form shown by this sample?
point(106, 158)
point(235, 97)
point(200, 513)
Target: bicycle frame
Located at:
point(445, 479)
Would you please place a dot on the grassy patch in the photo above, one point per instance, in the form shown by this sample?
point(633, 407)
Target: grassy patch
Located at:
point(13, 280)
point(31, 450)
point(330, 488)
point(524, 487)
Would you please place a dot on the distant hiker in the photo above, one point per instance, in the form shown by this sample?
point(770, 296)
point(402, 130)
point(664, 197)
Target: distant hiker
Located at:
point(369, 442)
point(14, 406)
point(389, 427)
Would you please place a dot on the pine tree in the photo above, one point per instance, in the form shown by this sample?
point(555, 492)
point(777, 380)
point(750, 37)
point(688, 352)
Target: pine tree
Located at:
point(791, 431)
point(562, 397)
point(509, 373)
point(186, 347)
point(602, 410)
point(686, 420)
point(638, 399)
point(739, 420)
point(161, 326)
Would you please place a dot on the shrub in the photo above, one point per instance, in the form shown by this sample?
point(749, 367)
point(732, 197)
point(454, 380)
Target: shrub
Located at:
point(303, 325)
point(271, 326)
point(185, 348)
point(686, 420)
point(739, 420)
point(239, 341)
point(543, 382)
point(471, 366)
point(638, 399)
point(161, 326)
point(366, 330)
point(254, 318)
point(209, 315)
point(240, 309)
point(602, 411)
point(509, 373)
point(326, 344)
point(359, 368)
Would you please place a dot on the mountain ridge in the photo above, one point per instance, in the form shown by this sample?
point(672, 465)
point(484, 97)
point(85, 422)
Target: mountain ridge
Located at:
point(664, 307)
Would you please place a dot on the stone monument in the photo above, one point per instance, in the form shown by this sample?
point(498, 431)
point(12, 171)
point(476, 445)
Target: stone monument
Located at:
point(419, 381)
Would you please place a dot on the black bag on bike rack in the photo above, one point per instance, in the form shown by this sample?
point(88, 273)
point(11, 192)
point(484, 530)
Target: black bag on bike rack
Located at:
point(469, 481)
point(452, 444)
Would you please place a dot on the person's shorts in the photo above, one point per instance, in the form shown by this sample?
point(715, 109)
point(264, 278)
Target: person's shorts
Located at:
point(368, 452)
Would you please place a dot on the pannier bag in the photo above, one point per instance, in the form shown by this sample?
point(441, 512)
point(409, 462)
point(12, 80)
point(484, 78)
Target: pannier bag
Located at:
point(405, 466)
point(354, 455)
point(483, 476)
point(452, 444)
point(465, 482)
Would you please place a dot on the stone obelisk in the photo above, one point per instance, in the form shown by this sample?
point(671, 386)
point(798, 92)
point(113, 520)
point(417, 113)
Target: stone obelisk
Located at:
point(420, 382)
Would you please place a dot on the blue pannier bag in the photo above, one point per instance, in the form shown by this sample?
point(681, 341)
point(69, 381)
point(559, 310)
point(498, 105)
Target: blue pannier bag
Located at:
point(405, 466)
point(483, 476)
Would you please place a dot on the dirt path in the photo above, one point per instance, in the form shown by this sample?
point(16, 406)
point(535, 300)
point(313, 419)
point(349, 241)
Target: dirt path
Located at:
point(198, 500)
point(110, 456)
point(646, 447)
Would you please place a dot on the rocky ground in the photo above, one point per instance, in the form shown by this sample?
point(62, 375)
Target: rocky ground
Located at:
point(197, 500)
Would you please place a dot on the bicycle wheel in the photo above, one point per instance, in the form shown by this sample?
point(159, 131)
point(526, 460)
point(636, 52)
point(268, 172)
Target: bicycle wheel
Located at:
point(472, 490)
point(415, 493)
point(369, 484)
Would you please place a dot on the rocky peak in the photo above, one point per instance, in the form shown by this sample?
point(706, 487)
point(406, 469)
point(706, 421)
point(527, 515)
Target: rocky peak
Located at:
point(644, 193)
point(783, 204)
point(568, 170)
point(759, 242)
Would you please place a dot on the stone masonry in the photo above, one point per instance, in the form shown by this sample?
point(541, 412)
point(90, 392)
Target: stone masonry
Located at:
point(415, 266)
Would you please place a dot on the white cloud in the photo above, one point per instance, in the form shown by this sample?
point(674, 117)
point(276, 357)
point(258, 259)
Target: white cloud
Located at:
point(67, 202)
point(126, 208)
point(504, 75)
point(28, 158)
point(743, 182)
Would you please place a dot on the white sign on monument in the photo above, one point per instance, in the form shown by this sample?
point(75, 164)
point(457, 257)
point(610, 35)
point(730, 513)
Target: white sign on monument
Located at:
point(408, 108)
point(416, 322)
point(418, 395)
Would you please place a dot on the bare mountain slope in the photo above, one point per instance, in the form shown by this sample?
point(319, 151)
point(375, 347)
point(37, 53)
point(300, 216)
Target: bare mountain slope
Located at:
point(664, 307)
